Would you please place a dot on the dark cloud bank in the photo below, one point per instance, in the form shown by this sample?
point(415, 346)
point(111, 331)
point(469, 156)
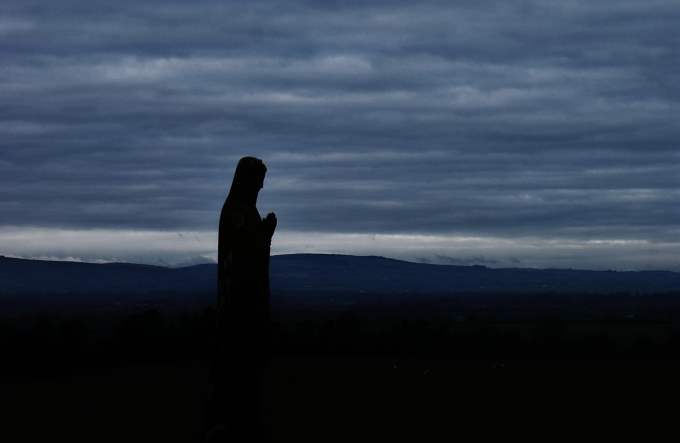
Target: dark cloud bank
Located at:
point(550, 123)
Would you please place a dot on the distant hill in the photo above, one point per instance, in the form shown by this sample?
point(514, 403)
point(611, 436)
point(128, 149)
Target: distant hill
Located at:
point(346, 273)
point(307, 274)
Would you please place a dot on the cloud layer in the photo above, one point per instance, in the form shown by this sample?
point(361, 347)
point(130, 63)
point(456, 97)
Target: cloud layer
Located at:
point(550, 120)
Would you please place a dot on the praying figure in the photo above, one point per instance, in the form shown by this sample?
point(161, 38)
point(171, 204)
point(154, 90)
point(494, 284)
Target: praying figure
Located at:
point(243, 322)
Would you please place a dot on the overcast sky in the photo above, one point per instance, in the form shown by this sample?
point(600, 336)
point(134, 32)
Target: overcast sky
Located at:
point(504, 133)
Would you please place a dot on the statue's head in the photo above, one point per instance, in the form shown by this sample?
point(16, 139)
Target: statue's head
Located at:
point(248, 180)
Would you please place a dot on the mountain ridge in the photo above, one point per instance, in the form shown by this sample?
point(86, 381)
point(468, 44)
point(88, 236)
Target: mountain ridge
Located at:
point(318, 255)
point(319, 273)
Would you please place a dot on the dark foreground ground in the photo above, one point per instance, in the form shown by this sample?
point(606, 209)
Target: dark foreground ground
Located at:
point(463, 369)
point(311, 401)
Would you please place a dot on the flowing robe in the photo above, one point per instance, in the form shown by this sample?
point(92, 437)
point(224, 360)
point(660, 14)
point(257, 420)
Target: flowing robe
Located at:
point(243, 281)
point(242, 320)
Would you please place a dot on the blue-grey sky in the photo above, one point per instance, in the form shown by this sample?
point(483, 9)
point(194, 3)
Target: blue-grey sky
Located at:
point(522, 133)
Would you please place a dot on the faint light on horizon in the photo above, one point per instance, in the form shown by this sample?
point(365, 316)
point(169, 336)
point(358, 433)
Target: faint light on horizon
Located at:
point(176, 248)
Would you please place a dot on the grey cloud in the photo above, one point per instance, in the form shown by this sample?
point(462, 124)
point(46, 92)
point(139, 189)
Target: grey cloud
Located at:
point(550, 118)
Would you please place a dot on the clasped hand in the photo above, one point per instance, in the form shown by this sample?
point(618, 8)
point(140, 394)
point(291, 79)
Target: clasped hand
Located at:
point(269, 224)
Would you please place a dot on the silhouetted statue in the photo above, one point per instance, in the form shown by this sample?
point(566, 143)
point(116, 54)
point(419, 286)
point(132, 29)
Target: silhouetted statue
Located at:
point(242, 304)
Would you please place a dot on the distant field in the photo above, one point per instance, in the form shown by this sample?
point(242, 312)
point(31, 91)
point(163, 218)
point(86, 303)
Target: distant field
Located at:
point(346, 365)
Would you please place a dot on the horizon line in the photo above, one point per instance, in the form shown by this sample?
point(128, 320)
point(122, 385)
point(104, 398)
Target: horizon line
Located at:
point(79, 260)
